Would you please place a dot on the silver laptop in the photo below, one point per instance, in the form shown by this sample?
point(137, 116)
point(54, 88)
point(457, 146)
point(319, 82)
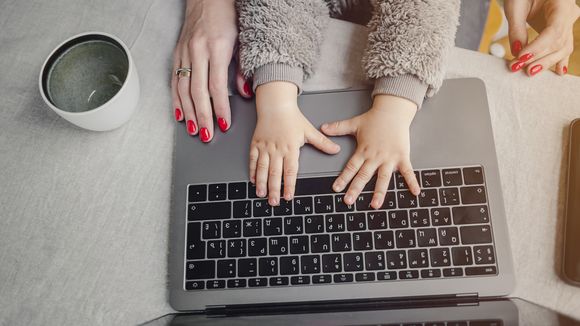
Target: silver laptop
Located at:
point(231, 251)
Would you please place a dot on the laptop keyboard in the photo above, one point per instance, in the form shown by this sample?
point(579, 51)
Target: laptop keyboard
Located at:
point(236, 240)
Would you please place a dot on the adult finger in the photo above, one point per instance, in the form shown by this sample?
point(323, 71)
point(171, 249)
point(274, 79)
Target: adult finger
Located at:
point(406, 170)
point(218, 89)
point(254, 154)
point(177, 107)
point(363, 176)
point(562, 66)
point(516, 14)
point(183, 87)
point(384, 174)
point(545, 63)
point(339, 128)
point(200, 92)
point(320, 141)
point(290, 173)
point(274, 179)
point(262, 167)
point(547, 42)
point(244, 86)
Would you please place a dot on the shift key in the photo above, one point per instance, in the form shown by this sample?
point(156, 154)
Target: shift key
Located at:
point(209, 211)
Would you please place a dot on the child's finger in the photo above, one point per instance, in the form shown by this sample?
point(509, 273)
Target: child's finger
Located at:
point(384, 174)
point(254, 154)
point(318, 140)
point(544, 63)
point(406, 170)
point(262, 174)
point(349, 171)
point(363, 176)
point(275, 179)
point(339, 128)
point(290, 173)
point(516, 14)
point(562, 66)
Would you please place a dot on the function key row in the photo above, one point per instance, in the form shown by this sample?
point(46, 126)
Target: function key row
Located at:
point(323, 185)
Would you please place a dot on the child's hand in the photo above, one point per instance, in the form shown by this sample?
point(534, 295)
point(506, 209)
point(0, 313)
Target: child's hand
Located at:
point(554, 20)
point(280, 132)
point(383, 145)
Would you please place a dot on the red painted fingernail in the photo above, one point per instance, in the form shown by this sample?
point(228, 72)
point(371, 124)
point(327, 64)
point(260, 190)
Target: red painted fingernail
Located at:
point(248, 89)
point(516, 48)
point(191, 127)
point(223, 124)
point(204, 134)
point(536, 69)
point(525, 57)
point(565, 70)
point(517, 66)
point(178, 114)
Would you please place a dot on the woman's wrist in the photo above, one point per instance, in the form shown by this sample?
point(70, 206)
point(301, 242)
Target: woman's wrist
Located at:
point(394, 107)
point(276, 96)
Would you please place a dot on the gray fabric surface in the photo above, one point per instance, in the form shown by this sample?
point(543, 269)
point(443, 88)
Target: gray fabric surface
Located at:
point(84, 215)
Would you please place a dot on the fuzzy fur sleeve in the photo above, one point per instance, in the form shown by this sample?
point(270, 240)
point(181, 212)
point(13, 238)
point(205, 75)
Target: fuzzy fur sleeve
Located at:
point(280, 39)
point(408, 43)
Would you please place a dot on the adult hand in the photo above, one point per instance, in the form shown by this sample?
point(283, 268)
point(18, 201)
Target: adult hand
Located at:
point(383, 145)
point(554, 44)
point(206, 45)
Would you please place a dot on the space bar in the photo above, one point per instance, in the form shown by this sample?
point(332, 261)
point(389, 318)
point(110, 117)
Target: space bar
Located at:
point(314, 186)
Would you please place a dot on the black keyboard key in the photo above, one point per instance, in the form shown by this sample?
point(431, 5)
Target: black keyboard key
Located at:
point(320, 243)
point(362, 241)
point(209, 211)
point(341, 242)
point(195, 247)
point(310, 264)
point(247, 267)
point(475, 234)
point(212, 230)
point(216, 249)
point(242, 209)
point(355, 221)
point(340, 206)
point(314, 224)
point(268, 266)
point(217, 191)
point(320, 279)
point(377, 220)
point(405, 199)
point(431, 178)
point(285, 208)
point(199, 270)
point(441, 216)
point(236, 284)
point(400, 180)
point(483, 255)
point(273, 226)
point(452, 177)
point(197, 193)
point(448, 236)
point(384, 240)
point(257, 247)
point(386, 276)
point(473, 176)
point(374, 261)
point(398, 219)
point(419, 218)
point(428, 198)
point(453, 272)
point(353, 262)
point(314, 186)
point(252, 227)
point(418, 258)
point(396, 259)
point(483, 270)
point(462, 256)
point(405, 239)
point(279, 281)
point(390, 201)
point(261, 208)
point(289, 265)
point(364, 277)
point(323, 204)
point(300, 280)
point(293, 225)
point(299, 245)
point(195, 285)
point(232, 229)
point(473, 195)
point(237, 190)
point(303, 206)
point(427, 237)
point(343, 278)
point(408, 275)
point(216, 284)
point(252, 190)
point(237, 248)
point(258, 282)
point(332, 263)
point(363, 201)
point(335, 223)
point(449, 196)
point(440, 257)
point(278, 246)
point(226, 268)
point(470, 214)
point(431, 273)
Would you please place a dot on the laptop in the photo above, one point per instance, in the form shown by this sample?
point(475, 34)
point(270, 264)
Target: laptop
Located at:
point(230, 252)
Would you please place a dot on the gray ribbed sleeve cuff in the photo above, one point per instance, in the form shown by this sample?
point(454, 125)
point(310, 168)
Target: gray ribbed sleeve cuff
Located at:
point(406, 86)
point(278, 72)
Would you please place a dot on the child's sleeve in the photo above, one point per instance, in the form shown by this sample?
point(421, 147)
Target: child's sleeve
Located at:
point(408, 43)
point(280, 39)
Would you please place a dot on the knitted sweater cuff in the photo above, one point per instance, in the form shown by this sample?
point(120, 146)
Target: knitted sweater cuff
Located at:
point(278, 72)
point(405, 86)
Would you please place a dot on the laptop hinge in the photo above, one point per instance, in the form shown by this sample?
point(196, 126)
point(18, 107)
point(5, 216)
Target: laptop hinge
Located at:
point(462, 299)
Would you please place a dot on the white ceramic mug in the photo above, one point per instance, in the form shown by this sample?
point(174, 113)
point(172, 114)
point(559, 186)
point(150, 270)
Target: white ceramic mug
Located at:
point(91, 80)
